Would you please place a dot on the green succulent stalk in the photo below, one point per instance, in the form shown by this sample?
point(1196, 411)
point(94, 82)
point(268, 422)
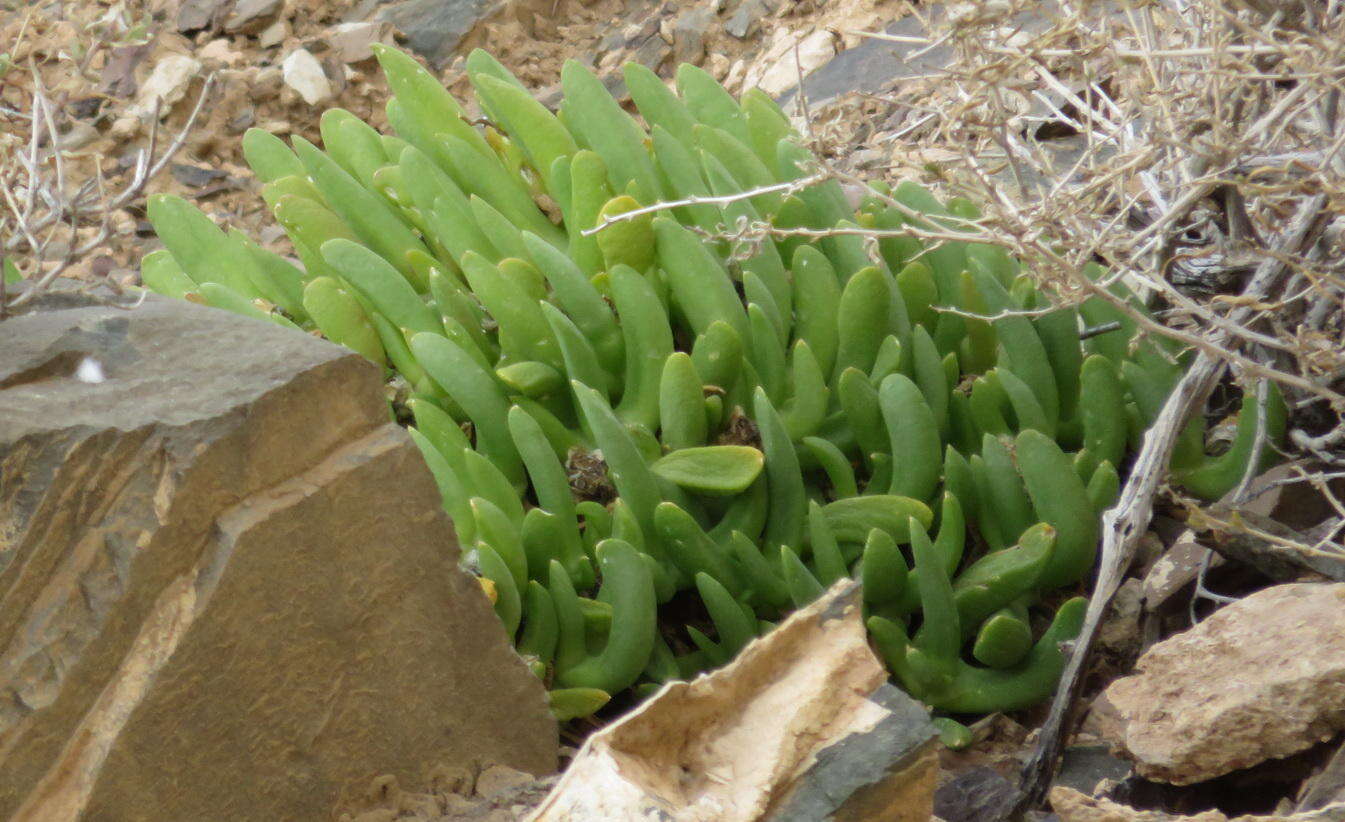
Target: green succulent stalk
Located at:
point(622, 418)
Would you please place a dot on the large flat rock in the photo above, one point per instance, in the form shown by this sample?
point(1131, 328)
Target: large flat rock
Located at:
point(227, 588)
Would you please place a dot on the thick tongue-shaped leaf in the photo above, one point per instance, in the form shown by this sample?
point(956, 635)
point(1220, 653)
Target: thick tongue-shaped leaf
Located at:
point(712, 469)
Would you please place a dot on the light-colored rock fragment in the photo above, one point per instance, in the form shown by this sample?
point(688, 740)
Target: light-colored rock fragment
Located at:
point(274, 34)
point(167, 83)
point(497, 779)
point(1072, 806)
point(1175, 570)
point(778, 69)
point(220, 52)
point(733, 81)
point(304, 74)
point(352, 41)
point(227, 588)
point(1260, 679)
point(718, 65)
point(803, 725)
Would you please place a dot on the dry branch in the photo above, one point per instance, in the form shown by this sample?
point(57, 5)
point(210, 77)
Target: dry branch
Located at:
point(1126, 522)
point(39, 207)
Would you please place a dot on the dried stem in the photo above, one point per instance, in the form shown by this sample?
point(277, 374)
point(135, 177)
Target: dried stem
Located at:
point(46, 208)
point(1126, 522)
point(788, 188)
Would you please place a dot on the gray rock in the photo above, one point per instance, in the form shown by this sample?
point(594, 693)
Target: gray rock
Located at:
point(746, 17)
point(251, 16)
point(273, 35)
point(868, 776)
point(195, 176)
point(1325, 787)
point(551, 96)
point(779, 68)
point(1083, 767)
point(363, 10)
point(874, 64)
point(871, 65)
point(433, 28)
point(973, 795)
point(615, 84)
point(633, 33)
point(194, 15)
point(227, 587)
point(652, 53)
point(689, 34)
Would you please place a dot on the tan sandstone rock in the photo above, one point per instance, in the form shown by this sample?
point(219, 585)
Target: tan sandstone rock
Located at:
point(227, 590)
point(1262, 678)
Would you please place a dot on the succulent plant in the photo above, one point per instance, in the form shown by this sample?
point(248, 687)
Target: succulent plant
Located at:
point(618, 418)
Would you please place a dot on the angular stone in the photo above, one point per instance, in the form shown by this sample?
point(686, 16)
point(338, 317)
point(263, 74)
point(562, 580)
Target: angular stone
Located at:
point(274, 34)
point(652, 54)
point(219, 53)
point(873, 65)
point(1072, 806)
point(802, 725)
point(433, 28)
point(194, 15)
point(689, 34)
point(747, 17)
point(1175, 569)
point(1327, 786)
point(1085, 767)
point(251, 16)
point(615, 83)
point(718, 65)
point(974, 794)
point(227, 589)
point(780, 70)
point(304, 74)
point(352, 41)
point(498, 779)
point(1262, 678)
point(166, 84)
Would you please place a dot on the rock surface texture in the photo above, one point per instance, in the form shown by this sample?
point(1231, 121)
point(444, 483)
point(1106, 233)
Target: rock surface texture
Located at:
point(801, 726)
point(227, 590)
point(1262, 678)
point(433, 28)
point(1072, 806)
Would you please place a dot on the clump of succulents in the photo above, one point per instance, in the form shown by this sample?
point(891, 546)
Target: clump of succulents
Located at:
point(635, 418)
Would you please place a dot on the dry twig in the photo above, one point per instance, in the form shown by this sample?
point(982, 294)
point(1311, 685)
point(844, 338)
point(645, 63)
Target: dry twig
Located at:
point(1126, 522)
point(41, 209)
